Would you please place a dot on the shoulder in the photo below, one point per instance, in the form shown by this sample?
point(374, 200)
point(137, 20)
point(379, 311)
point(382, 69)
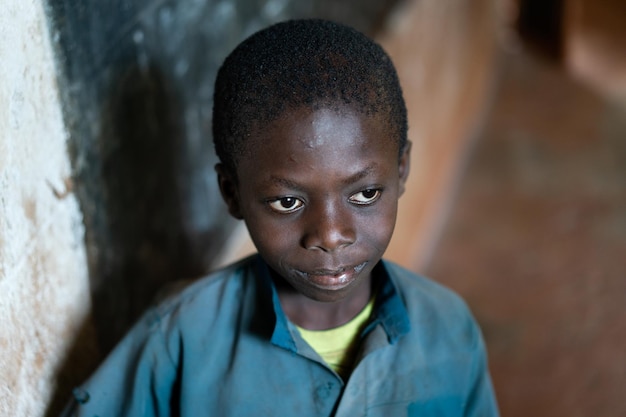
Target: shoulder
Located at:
point(195, 323)
point(420, 288)
point(210, 296)
point(434, 310)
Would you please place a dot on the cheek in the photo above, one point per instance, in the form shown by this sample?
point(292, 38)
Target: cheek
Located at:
point(270, 237)
point(378, 229)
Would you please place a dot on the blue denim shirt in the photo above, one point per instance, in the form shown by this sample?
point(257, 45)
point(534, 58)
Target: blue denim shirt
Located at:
point(224, 347)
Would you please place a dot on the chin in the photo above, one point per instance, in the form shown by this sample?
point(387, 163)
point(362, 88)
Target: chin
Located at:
point(329, 295)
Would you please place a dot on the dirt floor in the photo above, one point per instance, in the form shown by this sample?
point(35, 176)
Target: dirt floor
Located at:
point(536, 243)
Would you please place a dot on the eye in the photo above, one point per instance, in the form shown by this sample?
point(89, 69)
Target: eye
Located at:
point(286, 204)
point(366, 196)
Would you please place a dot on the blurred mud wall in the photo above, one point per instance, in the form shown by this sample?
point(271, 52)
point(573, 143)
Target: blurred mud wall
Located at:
point(594, 33)
point(445, 53)
point(536, 238)
point(44, 288)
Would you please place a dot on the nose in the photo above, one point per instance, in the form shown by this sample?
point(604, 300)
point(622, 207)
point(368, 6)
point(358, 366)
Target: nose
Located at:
point(328, 228)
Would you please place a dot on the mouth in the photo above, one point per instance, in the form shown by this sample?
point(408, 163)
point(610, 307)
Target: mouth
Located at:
point(333, 278)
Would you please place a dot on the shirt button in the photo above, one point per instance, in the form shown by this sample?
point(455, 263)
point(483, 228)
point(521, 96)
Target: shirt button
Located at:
point(80, 395)
point(323, 391)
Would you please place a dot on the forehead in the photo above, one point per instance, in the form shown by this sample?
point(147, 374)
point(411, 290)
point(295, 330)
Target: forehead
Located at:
point(339, 127)
point(330, 142)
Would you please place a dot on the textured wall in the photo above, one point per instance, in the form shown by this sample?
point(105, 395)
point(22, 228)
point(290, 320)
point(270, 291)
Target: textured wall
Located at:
point(44, 296)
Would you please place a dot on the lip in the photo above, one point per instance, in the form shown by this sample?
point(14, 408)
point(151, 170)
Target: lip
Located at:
point(332, 278)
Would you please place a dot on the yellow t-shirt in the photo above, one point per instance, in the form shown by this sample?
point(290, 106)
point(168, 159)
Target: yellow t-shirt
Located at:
point(338, 346)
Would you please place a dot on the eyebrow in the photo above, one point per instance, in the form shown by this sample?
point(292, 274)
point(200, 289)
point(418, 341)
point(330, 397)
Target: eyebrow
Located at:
point(358, 175)
point(347, 181)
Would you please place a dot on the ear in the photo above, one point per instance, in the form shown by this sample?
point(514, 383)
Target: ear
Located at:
point(229, 190)
point(404, 166)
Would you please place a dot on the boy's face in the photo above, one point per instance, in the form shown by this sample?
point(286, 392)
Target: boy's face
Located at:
point(318, 192)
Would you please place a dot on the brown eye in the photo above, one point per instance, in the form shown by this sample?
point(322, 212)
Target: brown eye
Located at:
point(366, 196)
point(286, 204)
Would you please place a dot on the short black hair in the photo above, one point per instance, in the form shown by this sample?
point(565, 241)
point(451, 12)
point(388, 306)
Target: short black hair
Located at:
point(309, 62)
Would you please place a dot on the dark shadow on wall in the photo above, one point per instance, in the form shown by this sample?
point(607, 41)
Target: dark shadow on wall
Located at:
point(142, 176)
point(140, 241)
point(142, 155)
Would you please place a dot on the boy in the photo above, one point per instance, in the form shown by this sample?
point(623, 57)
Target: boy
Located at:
point(310, 127)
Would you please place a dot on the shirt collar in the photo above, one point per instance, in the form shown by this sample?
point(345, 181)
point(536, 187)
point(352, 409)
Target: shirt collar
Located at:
point(281, 336)
point(389, 309)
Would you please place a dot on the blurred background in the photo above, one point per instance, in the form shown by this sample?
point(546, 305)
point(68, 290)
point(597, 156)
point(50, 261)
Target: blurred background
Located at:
point(516, 199)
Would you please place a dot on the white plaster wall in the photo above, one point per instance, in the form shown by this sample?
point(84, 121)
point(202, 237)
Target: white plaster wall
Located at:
point(44, 295)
